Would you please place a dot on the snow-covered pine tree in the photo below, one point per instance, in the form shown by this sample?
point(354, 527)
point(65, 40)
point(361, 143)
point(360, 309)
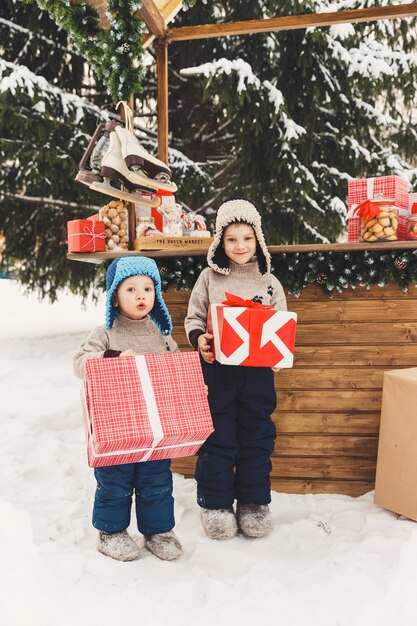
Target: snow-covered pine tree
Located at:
point(49, 106)
point(290, 116)
point(50, 103)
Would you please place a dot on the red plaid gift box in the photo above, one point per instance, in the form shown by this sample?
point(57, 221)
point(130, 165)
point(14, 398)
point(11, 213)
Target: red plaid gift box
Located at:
point(86, 235)
point(394, 187)
point(361, 189)
point(354, 229)
point(251, 334)
point(144, 408)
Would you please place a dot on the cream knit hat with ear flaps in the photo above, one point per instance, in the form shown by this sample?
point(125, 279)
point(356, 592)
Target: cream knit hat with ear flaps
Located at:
point(229, 212)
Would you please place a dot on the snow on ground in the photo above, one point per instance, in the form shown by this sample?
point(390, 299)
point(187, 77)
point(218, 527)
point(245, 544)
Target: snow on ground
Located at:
point(331, 560)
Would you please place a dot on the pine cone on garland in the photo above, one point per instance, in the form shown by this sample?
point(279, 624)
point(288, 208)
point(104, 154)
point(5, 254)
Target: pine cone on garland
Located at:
point(400, 264)
point(321, 279)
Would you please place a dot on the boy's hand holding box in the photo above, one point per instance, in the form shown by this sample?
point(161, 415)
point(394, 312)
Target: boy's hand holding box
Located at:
point(252, 334)
point(144, 408)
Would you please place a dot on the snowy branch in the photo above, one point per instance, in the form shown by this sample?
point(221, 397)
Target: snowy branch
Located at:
point(314, 232)
point(18, 78)
point(50, 202)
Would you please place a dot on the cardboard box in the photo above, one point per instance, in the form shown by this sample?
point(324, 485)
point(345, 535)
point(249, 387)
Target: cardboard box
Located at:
point(86, 235)
point(396, 471)
point(254, 335)
point(144, 408)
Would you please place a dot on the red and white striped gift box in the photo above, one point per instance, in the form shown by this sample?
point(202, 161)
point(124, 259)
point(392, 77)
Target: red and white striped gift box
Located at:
point(393, 187)
point(144, 408)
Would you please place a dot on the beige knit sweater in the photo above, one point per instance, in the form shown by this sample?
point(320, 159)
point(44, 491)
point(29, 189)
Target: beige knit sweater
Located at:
point(245, 281)
point(142, 336)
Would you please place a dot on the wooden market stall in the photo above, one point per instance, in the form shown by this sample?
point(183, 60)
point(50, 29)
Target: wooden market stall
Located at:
point(329, 404)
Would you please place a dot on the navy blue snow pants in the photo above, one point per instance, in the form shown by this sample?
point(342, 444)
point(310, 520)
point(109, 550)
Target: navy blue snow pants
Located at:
point(234, 462)
point(152, 483)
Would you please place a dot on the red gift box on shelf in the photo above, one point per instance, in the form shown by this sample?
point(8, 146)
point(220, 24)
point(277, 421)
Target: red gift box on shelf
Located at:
point(361, 189)
point(86, 235)
point(252, 334)
point(144, 408)
point(394, 187)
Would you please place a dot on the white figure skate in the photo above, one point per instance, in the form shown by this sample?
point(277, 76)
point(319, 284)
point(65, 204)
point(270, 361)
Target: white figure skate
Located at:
point(90, 164)
point(104, 147)
point(114, 173)
point(147, 169)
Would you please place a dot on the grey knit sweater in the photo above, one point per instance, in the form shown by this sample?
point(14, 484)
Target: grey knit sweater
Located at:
point(245, 281)
point(142, 336)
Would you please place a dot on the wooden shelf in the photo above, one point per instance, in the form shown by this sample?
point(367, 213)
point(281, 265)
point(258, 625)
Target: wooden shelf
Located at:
point(343, 247)
point(100, 257)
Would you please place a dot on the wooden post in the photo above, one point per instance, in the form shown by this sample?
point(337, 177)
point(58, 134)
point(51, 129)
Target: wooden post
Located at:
point(162, 100)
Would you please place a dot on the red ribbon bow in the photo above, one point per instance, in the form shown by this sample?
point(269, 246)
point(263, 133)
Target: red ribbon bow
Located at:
point(233, 300)
point(368, 210)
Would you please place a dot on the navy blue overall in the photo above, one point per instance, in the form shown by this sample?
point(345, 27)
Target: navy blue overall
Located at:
point(234, 462)
point(152, 483)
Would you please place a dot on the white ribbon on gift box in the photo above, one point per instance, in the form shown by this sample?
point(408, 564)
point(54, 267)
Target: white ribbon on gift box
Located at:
point(150, 401)
point(153, 414)
point(91, 232)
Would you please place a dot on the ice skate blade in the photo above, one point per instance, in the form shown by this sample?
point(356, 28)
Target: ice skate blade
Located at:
point(135, 179)
point(149, 169)
point(87, 178)
point(108, 190)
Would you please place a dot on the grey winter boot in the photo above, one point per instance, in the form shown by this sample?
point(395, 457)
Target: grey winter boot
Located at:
point(254, 519)
point(219, 523)
point(164, 545)
point(119, 546)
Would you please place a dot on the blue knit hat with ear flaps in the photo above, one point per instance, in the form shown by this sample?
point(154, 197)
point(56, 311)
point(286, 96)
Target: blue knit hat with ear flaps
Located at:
point(126, 266)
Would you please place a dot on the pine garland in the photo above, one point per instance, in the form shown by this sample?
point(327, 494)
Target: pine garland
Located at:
point(115, 53)
point(332, 271)
point(111, 52)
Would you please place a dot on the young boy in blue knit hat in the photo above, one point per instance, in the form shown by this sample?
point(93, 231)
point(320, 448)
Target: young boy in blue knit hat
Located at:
point(137, 322)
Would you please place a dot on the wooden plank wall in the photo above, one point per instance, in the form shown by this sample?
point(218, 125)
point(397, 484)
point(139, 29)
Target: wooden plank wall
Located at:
point(329, 404)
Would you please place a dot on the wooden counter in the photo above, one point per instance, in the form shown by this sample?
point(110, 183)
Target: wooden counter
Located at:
point(329, 404)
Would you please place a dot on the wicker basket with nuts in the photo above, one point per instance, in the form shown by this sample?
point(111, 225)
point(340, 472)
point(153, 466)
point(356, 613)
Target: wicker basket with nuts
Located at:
point(379, 221)
point(115, 216)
